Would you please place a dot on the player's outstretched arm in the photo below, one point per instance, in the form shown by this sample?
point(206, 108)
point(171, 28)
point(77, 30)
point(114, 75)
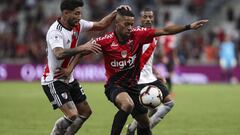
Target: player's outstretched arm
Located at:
point(107, 20)
point(66, 72)
point(174, 29)
point(84, 49)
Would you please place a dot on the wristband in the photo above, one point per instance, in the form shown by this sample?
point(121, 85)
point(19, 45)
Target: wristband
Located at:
point(187, 27)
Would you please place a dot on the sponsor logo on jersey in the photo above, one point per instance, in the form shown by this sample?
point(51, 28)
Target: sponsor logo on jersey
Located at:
point(114, 45)
point(130, 42)
point(121, 64)
point(139, 29)
point(124, 53)
point(107, 36)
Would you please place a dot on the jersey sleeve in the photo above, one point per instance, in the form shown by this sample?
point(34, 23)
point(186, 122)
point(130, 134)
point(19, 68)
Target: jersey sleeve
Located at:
point(85, 25)
point(145, 35)
point(55, 39)
point(105, 40)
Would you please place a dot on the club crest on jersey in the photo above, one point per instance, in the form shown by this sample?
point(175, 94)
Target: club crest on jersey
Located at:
point(124, 53)
point(64, 95)
point(75, 34)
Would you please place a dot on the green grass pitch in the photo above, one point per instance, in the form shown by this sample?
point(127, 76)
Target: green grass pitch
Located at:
point(199, 110)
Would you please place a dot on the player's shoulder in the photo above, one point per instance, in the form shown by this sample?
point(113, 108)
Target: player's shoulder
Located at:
point(55, 28)
point(106, 38)
point(82, 22)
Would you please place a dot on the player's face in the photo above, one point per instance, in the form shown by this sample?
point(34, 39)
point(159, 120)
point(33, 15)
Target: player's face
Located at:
point(74, 16)
point(147, 18)
point(125, 25)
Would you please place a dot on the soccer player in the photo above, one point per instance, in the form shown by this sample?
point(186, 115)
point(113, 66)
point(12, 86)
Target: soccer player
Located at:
point(169, 52)
point(66, 93)
point(149, 75)
point(227, 59)
point(122, 50)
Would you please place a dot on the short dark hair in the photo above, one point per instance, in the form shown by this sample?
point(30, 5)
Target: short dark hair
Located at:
point(147, 9)
point(125, 12)
point(71, 4)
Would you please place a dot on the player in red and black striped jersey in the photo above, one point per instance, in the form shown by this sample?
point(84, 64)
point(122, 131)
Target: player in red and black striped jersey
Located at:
point(122, 50)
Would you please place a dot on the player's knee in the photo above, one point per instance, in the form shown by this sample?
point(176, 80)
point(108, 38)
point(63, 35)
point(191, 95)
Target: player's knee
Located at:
point(87, 113)
point(127, 107)
point(72, 117)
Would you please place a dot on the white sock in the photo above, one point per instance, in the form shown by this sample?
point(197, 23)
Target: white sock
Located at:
point(133, 126)
point(60, 126)
point(162, 110)
point(75, 126)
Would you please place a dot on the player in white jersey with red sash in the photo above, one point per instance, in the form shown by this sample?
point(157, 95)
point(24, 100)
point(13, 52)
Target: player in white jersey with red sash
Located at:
point(149, 76)
point(63, 92)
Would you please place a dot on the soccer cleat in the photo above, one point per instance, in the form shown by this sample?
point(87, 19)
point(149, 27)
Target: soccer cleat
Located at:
point(128, 131)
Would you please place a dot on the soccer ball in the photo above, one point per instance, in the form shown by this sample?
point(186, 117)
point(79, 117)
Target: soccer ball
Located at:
point(150, 96)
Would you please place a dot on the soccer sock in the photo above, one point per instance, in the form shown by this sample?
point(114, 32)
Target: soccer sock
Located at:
point(118, 122)
point(143, 130)
point(161, 112)
point(76, 125)
point(60, 126)
point(133, 126)
point(169, 83)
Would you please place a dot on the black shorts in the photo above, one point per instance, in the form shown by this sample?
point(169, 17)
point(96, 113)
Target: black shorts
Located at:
point(59, 93)
point(111, 91)
point(157, 83)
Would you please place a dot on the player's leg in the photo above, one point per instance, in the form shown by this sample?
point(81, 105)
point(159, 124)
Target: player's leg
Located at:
point(70, 118)
point(223, 65)
point(139, 113)
point(83, 108)
point(161, 111)
point(124, 103)
point(157, 114)
point(60, 126)
point(58, 94)
point(143, 127)
point(170, 69)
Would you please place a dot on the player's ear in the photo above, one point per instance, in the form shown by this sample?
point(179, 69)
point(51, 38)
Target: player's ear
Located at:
point(65, 12)
point(118, 19)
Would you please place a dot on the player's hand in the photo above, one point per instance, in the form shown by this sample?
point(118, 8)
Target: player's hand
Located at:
point(127, 7)
point(62, 73)
point(198, 24)
point(92, 46)
point(161, 78)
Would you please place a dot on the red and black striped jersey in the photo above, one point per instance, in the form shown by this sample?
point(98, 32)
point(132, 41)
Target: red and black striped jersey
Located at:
point(122, 61)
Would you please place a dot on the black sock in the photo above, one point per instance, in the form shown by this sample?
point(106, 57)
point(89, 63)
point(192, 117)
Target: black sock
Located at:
point(143, 131)
point(169, 83)
point(118, 122)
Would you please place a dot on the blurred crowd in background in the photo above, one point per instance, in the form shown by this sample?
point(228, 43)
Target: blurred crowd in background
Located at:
point(24, 23)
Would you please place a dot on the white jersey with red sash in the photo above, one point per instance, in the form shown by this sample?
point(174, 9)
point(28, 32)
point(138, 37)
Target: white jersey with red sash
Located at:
point(59, 36)
point(147, 75)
